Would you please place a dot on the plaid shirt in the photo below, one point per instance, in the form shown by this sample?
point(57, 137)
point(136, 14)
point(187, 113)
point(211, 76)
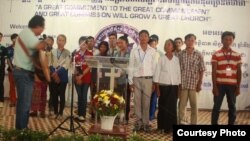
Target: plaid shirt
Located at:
point(191, 66)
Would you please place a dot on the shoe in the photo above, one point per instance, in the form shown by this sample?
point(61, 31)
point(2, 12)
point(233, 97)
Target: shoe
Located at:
point(150, 123)
point(51, 113)
point(168, 131)
point(60, 117)
point(76, 112)
point(183, 123)
point(34, 114)
point(1, 104)
point(54, 116)
point(12, 105)
point(81, 118)
point(42, 115)
point(126, 122)
point(137, 128)
point(92, 115)
point(147, 129)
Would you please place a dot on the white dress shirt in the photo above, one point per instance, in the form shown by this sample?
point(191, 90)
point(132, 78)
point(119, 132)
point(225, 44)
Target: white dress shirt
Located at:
point(141, 63)
point(168, 71)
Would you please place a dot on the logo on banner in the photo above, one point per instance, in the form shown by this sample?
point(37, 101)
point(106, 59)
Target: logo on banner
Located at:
point(120, 29)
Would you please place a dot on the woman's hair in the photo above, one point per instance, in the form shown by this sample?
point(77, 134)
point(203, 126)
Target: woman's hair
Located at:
point(124, 38)
point(106, 44)
point(51, 38)
point(166, 42)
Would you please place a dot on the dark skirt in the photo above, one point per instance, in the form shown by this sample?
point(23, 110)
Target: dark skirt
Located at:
point(167, 105)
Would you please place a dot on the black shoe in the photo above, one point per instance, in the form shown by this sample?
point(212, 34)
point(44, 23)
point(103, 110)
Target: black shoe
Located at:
point(161, 131)
point(92, 115)
point(168, 131)
point(126, 122)
point(34, 114)
point(147, 129)
point(12, 105)
point(137, 128)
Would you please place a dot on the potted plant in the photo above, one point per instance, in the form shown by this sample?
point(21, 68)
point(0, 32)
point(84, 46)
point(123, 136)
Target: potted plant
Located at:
point(107, 104)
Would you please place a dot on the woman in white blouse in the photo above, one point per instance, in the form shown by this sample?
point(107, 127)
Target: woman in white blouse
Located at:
point(167, 78)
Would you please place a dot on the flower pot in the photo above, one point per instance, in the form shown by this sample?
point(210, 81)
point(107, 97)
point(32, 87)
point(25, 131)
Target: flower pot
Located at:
point(107, 122)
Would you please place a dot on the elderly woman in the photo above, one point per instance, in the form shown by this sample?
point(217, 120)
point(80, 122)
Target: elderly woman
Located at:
point(167, 78)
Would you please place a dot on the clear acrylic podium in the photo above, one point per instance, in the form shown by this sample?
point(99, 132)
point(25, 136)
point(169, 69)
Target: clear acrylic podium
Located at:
point(110, 72)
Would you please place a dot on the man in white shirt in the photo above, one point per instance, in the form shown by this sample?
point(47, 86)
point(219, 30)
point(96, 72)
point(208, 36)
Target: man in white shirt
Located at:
point(142, 63)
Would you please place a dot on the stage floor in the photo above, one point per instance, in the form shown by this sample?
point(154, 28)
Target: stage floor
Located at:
point(7, 120)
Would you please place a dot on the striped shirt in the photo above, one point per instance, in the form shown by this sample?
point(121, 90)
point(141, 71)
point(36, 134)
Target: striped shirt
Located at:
point(191, 66)
point(225, 60)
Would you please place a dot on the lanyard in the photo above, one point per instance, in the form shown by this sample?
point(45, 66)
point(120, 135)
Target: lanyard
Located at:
point(58, 56)
point(141, 58)
point(228, 58)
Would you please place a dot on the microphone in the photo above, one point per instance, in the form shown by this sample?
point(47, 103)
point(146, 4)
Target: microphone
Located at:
point(112, 60)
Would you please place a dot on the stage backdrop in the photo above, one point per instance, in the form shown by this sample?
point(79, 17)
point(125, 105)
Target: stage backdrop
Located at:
point(207, 19)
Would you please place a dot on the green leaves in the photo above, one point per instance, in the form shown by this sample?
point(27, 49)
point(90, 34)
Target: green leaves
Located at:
point(23, 135)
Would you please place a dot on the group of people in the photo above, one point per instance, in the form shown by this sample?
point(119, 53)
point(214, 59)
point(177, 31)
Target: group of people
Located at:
point(175, 74)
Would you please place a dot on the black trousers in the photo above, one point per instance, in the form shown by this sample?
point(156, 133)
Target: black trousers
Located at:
point(167, 114)
point(2, 74)
point(58, 91)
point(50, 97)
point(229, 91)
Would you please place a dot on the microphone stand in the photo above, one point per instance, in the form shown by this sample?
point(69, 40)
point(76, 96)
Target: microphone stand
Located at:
point(71, 116)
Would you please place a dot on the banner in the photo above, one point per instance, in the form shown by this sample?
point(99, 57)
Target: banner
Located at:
point(207, 19)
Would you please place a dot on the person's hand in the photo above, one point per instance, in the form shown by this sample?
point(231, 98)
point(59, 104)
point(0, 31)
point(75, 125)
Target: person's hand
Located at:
point(158, 91)
point(198, 87)
point(237, 90)
point(56, 77)
point(215, 91)
point(99, 74)
point(119, 72)
point(79, 80)
point(153, 88)
point(132, 87)
point(179, 92)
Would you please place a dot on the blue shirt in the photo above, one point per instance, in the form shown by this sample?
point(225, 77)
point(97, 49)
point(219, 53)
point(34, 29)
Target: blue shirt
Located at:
point(10, 52)
point(3, 56)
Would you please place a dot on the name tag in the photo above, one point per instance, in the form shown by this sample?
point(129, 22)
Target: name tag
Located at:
point(228, 71)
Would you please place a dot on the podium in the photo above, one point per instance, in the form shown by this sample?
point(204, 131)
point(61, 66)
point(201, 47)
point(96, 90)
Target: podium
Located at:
point(109, 73)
